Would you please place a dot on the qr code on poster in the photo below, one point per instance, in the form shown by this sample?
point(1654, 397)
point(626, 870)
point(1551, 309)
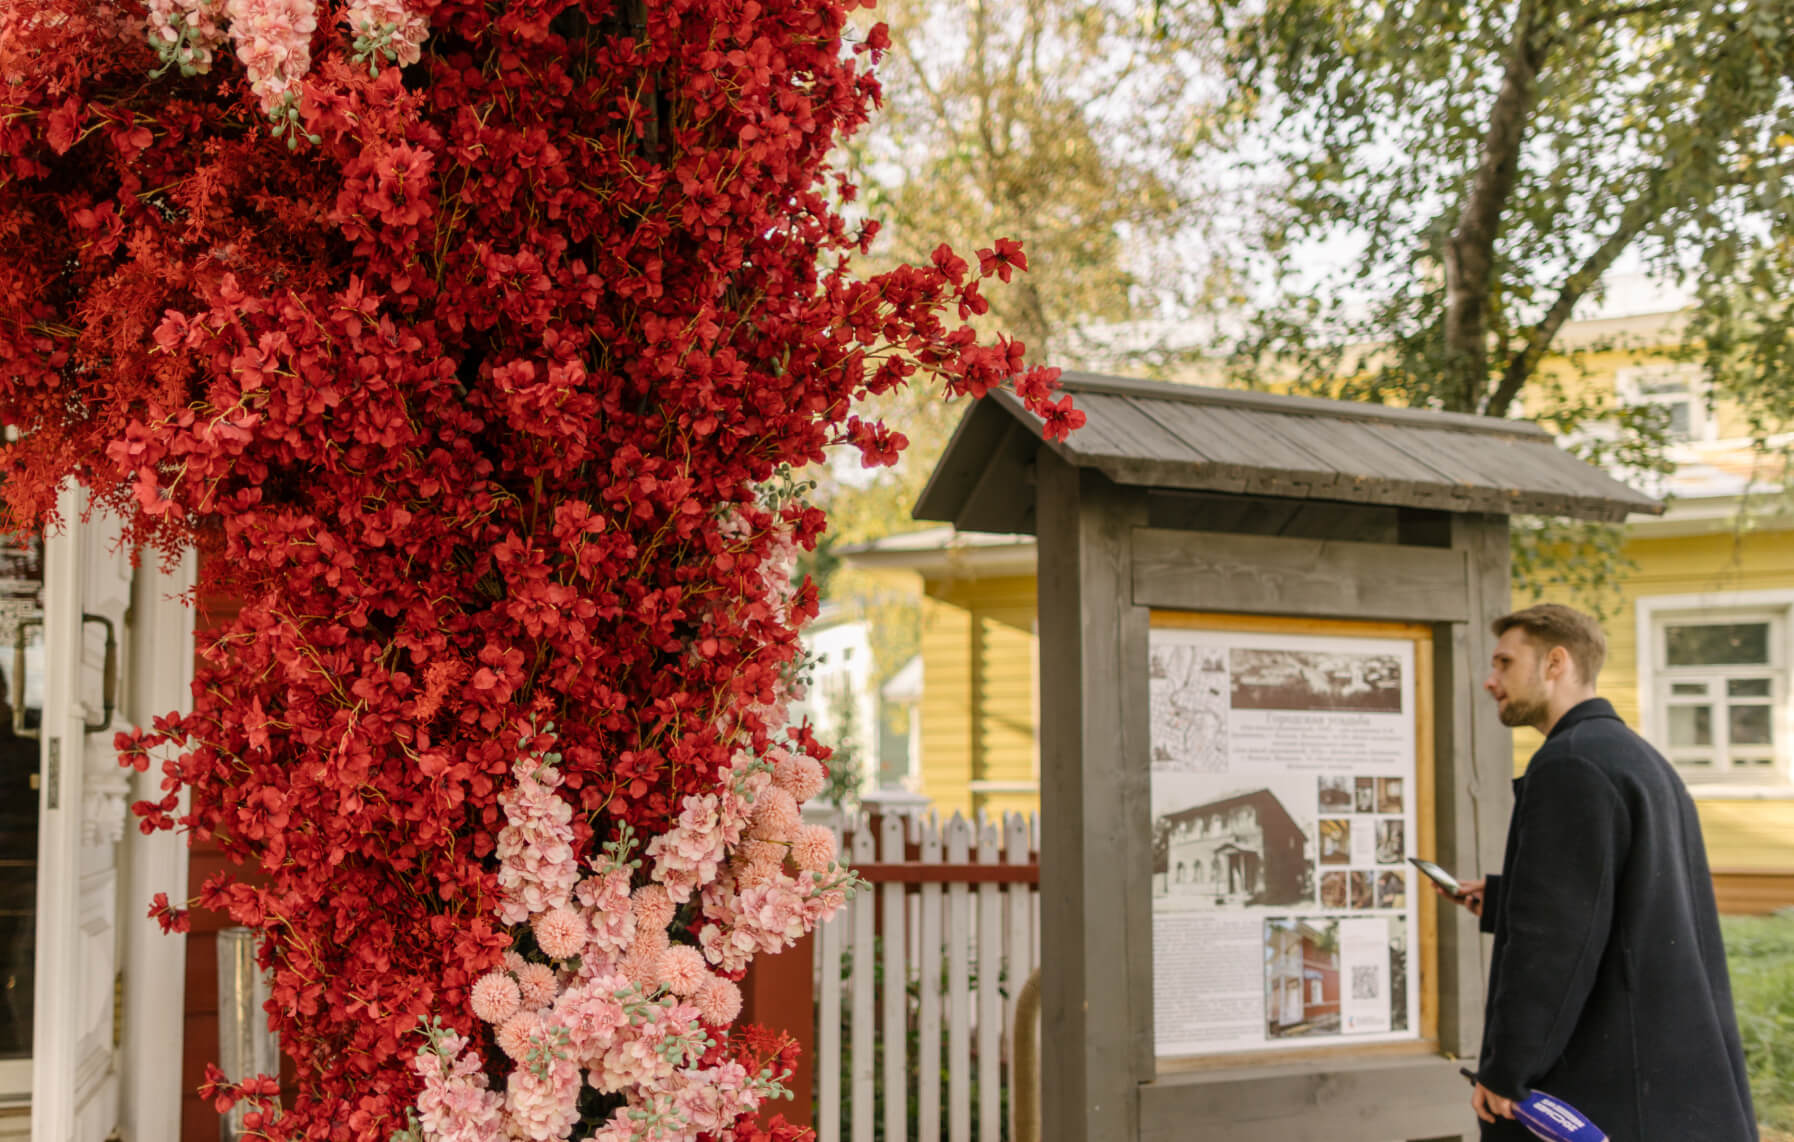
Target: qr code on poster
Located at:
point(1364, 981)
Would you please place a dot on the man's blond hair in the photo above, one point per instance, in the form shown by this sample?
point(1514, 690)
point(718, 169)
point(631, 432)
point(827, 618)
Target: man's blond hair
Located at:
point(1553, 624)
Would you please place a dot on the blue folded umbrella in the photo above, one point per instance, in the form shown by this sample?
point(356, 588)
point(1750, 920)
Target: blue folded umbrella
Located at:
point(1551, 1118)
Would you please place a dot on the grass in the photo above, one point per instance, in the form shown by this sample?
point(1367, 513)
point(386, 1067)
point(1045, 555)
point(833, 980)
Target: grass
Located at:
point(1760, 952)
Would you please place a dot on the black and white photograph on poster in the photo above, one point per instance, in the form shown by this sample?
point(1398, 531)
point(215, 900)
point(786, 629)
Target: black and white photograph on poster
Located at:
point(1301, 977)
point(1364, 795)
point(1391, 848)
point(1392, 889)
point(1336, 840)
point(1239, 848)
point(1188, 692)
point(1389, 795)
point(1333, 891)
point(1314, 680)
point(1335, 794)
point(1364, 893)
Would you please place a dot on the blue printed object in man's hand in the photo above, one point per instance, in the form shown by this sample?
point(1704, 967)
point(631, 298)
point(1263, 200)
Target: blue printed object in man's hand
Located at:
point(1555, 1120)
point(1550, 1118)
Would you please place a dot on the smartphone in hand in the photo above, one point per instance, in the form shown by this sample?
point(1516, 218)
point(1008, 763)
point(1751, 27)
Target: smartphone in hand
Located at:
point(1439, 876)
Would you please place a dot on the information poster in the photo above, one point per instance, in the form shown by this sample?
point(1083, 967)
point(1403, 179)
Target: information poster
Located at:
point(1283, 772)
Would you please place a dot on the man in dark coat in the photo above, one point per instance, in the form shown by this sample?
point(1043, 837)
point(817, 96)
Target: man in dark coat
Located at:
point(1608, 985)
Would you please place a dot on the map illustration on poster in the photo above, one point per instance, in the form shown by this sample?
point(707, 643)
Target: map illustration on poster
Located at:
point(1283, 770)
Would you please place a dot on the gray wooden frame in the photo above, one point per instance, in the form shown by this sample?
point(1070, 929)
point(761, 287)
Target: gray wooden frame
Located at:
point(1101, 571)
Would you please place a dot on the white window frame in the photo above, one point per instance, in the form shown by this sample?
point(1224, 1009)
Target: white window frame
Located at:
point(1653, 614)
point(1629, 383)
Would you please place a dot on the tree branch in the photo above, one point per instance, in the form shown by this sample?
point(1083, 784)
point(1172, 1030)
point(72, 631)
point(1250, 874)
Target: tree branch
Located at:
point(1718, 120)
point(1639, 213)
point(1469, 254)
point(1620, 12)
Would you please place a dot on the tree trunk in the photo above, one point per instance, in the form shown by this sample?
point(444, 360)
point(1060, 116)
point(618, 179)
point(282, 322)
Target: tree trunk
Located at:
point(1470, 251)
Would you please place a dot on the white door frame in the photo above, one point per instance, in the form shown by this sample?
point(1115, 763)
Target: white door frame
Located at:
point(155, 963)
point(90, 1078)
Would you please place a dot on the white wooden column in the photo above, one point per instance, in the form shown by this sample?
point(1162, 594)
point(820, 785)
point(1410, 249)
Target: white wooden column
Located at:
point(160, 671)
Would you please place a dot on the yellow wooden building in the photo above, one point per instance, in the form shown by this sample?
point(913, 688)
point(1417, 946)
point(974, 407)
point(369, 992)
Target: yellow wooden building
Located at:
point(1701, 643)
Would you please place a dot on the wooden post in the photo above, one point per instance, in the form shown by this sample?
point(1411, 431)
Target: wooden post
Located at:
point(1095, 869)
point(778, 995)
point(1475, 762)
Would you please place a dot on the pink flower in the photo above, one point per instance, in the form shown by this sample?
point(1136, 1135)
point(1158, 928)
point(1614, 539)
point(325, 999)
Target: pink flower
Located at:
point(546, 1108)
point(454, 1105)
point(495, 997)
point(560, 933)
point(682, 969)
point(608, 910)
point(813, 849)
point(775, 815)
point(537, 869)
point(653, 908)
point(273, 39)
point(718, 1001)
point(757, 871)
point(388, 27)
point(641, 966)
point(515, 1033)
point(799, 775)
point(537, 986)
point(591, 1015)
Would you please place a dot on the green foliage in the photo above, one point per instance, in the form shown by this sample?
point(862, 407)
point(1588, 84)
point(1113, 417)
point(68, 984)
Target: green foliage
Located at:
point(1489, 163)
point(846, 768)
point(1760, 954)
point(1076, 126)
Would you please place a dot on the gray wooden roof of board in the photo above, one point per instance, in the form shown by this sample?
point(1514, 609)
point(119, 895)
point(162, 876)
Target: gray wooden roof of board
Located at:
point(1192, 437)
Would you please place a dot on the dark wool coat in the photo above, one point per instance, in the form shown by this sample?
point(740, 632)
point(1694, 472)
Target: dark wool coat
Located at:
point(1608, 986)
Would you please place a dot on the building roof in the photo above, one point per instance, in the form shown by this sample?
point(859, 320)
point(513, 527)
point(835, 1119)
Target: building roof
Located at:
point(1257, 797)
point(1199, 438)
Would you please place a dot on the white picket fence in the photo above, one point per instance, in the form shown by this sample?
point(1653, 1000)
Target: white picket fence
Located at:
point(963, 916)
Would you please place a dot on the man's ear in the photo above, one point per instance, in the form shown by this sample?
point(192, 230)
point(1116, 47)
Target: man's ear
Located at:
point(1558, 665)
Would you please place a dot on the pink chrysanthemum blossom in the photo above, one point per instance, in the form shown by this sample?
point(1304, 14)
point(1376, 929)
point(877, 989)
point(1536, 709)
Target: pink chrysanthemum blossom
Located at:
point(718, 1001)
point(641, 966)
point(775, 816)
point(756, 871)
point(496, 997)
point(514, 1034)
point(560, 933)
point(653, 909)
point(799, 775)
point(813, 849)
point(682, 969)
point(537, 986)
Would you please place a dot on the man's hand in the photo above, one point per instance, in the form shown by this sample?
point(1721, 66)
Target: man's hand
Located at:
point(1488, 1104)
point(1471, 897)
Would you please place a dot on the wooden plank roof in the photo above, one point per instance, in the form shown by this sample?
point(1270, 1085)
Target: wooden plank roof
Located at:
point(1155, 434)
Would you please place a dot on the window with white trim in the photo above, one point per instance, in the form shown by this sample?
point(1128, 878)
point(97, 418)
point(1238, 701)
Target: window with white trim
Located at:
point(1720, 690)
point(1679, 388)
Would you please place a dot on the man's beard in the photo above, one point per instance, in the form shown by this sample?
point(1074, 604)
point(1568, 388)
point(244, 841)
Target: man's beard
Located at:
point(1517, 712)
